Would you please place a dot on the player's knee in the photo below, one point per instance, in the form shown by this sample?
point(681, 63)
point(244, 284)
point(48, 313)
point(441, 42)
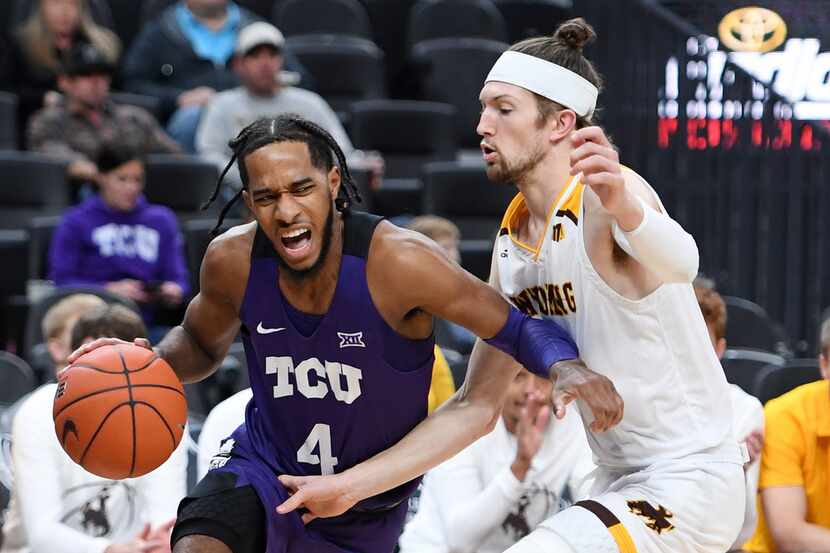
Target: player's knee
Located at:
point(195, 543)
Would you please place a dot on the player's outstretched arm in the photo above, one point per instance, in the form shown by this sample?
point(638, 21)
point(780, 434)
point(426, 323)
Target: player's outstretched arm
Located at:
point(641, 228)
point(419, 277)
point(195, 348)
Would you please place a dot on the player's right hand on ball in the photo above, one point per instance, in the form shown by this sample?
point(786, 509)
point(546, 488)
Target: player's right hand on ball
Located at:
point(573, 380)
point(95, 344)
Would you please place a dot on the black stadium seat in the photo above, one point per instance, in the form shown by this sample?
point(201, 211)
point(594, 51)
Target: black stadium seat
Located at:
point(476, 256)
point(749, 326)
point(452, 70)
point(181, 183)
point(150, 103)
point(742, 366)
point(14, 247)
point(197, 237)
point(774, 381)
point(430, 19)
point(32, 185)
point(346, 69)
point(151, 9)
point(8, 121)
point(407, 133)
point(16, 378)
point(529, 18)
point(336, 17)
point(14, 251)
point(41, 230)
point(462, 193)
point(263, 8)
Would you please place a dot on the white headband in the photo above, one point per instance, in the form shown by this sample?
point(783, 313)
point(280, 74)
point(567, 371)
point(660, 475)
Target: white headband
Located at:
point(547, 79)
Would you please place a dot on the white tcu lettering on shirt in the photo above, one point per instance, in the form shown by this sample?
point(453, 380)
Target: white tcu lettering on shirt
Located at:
point(328, 377)
point(127, 241)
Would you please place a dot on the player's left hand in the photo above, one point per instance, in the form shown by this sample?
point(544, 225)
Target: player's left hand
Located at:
point(599, 163)
point(321, 496)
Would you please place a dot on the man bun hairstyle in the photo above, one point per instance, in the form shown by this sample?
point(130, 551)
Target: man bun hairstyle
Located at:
point(575, 33)
point(564, 48)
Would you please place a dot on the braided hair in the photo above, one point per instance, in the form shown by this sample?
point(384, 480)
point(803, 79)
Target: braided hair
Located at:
point(286, 128)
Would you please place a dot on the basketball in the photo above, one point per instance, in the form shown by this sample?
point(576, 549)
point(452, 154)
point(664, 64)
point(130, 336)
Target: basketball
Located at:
point(119, 411)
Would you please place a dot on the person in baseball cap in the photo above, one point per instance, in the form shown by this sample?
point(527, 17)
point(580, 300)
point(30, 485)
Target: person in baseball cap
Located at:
point(259, 34)
point(267, 90)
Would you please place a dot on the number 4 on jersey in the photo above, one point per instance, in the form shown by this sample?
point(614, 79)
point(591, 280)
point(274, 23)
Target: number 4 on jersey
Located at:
point(320, 437)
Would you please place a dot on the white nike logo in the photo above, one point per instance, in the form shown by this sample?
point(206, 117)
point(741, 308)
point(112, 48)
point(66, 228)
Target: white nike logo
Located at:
point(262, 330)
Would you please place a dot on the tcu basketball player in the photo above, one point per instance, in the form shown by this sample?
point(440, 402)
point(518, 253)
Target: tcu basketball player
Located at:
point(335, 311)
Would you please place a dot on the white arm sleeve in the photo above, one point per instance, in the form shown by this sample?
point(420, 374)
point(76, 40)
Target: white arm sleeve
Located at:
point(660, 245)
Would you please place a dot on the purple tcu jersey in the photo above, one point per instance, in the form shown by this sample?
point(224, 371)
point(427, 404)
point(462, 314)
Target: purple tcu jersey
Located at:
point(325, 402)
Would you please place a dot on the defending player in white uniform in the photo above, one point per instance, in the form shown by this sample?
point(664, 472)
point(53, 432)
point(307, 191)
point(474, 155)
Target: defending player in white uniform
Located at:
point(588, 243)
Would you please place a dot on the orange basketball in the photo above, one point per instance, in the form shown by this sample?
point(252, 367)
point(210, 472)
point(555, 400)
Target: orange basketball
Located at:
point(119, 411)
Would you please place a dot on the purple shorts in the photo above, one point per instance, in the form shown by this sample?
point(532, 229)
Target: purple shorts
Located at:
point(215, 504)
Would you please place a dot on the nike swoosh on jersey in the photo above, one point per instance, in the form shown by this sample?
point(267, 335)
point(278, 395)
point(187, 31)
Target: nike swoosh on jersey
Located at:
point(262, 330)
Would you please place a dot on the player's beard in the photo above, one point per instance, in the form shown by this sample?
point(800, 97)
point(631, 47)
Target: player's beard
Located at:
point(299, 274)
point(514, 172)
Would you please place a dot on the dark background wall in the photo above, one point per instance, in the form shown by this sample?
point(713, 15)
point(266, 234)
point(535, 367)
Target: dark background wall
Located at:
point(753, 192)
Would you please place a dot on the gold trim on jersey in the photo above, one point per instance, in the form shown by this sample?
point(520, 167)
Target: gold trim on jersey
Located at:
point(517, 208)
point(618, 532)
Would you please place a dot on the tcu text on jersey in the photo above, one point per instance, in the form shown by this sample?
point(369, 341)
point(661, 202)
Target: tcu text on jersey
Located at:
point(342, 380)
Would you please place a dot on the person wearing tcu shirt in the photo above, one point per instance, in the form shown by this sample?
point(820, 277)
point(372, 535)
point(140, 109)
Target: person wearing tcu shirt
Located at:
point(117, 240)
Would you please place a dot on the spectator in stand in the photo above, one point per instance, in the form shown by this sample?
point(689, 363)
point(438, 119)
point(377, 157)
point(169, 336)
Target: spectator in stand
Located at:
point(748, 413)
point(58, 322)
point(795, 467)
point(116, 239)
point(183, 58)
point(56, 505)
point(76, 127)
point(497, 490)
point(37, 47)
point(258, 61)
point(446, 234)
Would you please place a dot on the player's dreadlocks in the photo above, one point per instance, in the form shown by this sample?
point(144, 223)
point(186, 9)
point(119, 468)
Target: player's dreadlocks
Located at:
point(286, 128)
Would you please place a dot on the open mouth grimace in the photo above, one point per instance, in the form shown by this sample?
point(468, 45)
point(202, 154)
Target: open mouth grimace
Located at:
point(297, 239)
